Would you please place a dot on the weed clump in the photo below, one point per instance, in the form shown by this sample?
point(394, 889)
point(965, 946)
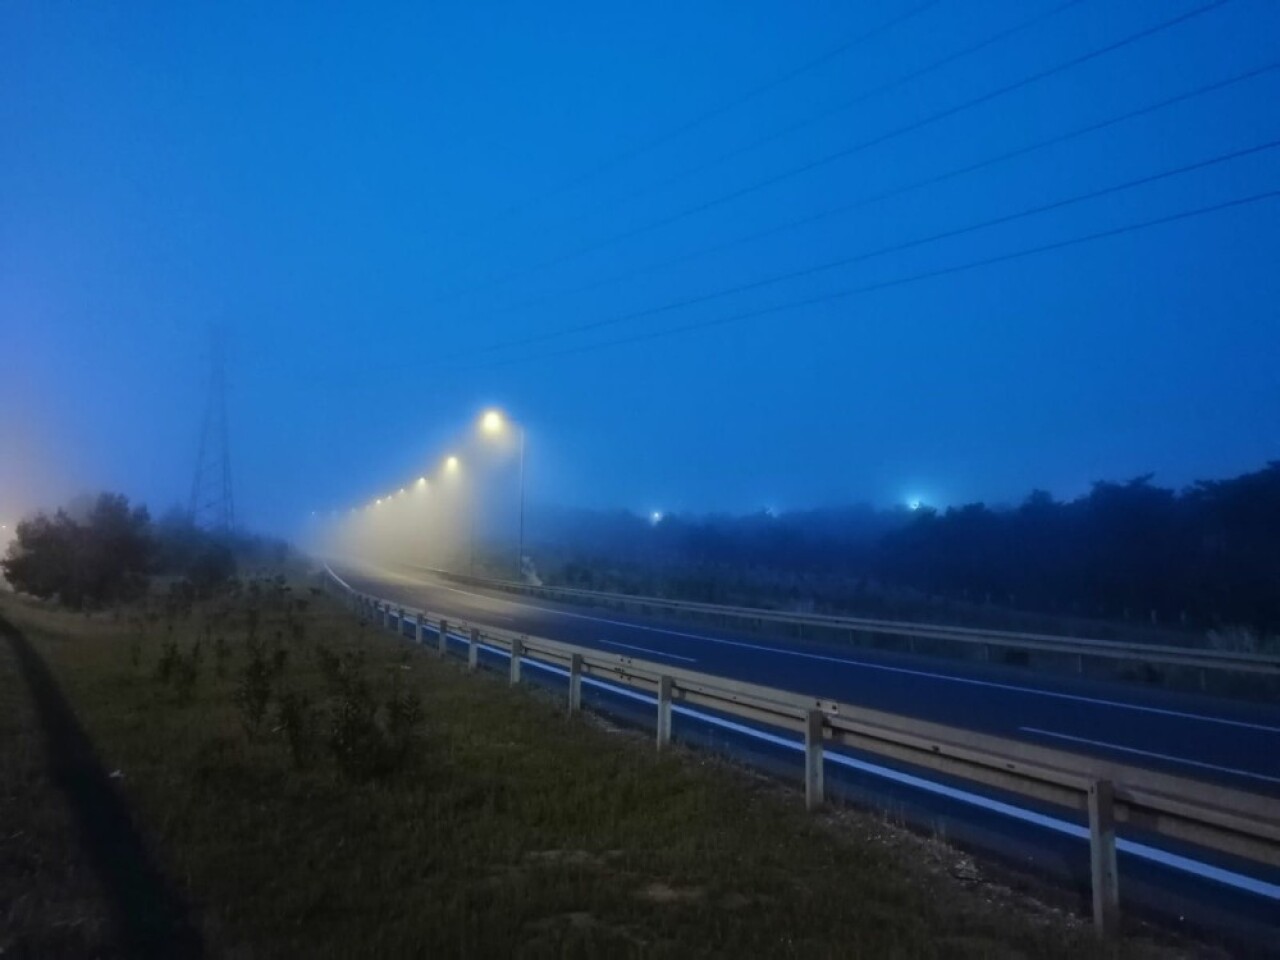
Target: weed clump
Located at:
point(367, 743)
point(253, 693)
point(297, 722)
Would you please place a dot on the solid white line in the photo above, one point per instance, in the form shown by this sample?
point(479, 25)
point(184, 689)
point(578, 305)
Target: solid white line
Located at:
point(658, 653)
point(969, 681)
point(338, 578)
point(1150, 753)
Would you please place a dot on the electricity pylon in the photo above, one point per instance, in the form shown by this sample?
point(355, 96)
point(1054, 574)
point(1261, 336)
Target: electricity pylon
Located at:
point(212, 504)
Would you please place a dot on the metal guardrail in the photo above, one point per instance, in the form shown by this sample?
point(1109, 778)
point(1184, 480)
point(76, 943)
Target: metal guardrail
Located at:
point(1219, 819)
point(1080, 648)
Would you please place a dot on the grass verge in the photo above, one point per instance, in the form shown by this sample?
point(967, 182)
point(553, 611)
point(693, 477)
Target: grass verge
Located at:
point(490, 824)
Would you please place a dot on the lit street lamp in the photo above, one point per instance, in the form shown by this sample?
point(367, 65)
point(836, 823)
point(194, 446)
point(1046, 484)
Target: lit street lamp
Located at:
point(495, 424)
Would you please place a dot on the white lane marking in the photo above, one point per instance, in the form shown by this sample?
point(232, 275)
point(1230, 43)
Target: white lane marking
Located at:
point(658, 653)
point(1150, 753)
point(344, 583)
point(991, 684)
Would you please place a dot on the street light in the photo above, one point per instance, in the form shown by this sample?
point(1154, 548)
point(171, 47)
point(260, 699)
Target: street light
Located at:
point(451, 464)
point(495, 424)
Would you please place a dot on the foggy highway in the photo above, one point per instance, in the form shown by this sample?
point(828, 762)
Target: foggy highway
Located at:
point(1237, 744)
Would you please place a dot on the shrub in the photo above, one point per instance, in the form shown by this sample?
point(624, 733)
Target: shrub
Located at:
point(168, 662)
point(297, 722)
point(253, 695)
point(221, 655)
point(90, 562)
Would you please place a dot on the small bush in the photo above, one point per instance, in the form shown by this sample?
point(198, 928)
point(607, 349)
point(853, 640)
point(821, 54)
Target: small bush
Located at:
point(363, 745)
point(221, 655)
point(186, 671)
point(404, 719)
point(297, 722)
point(356, 742)
point(168, 661)
point(253, 695)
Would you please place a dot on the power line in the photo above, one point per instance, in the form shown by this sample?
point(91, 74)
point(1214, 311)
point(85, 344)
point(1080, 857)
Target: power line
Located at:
point(896, 247)
point(723, 108)
point(849, 104)
point(890, 193)
point(915, 125)
point(896, 281)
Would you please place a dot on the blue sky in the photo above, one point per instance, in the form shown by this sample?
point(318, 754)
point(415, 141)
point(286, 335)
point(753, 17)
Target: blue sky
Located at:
point(378, 202)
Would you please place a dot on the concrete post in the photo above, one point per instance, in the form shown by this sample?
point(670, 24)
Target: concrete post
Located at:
point(813, 787)
point(443, 647)
point(420, 630)
point(517, 651)
point(665, 687)
point(575, 683)
point(1102, 856)
point(473, 649)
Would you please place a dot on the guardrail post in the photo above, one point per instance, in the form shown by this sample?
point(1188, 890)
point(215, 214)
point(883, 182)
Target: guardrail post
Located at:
point(813, 788)
point(665, 687)
point(420, 630)
point(473, 649)
point(443, 647)
point(1102, 855)
point(517, 651)
point(575, 683)
point(400, 622)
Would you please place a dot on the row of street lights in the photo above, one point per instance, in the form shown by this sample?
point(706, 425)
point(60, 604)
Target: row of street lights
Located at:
point(492, 424)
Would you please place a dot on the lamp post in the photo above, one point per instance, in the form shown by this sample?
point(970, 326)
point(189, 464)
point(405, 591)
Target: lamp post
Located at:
point(494, 424)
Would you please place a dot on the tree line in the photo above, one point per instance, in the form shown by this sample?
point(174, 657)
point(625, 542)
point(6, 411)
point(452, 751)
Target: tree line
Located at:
point(1204, 556)
point(102, 550)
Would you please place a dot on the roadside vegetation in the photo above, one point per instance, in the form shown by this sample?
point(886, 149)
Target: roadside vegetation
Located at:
point(291, 782)
point(99, 551)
